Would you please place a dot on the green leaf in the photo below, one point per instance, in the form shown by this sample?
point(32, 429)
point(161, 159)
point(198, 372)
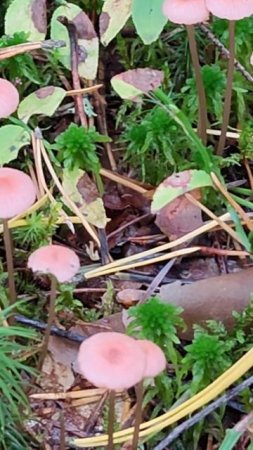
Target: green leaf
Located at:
point(231, 438)
point(83, 193)
point(12, 138)
point(87, 40)
point(149, 19)
point(113, 17)
point(29, 16)
point(133, 83)
point(177, 185)
point(43, 101)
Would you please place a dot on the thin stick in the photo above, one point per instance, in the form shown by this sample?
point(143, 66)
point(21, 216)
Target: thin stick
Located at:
point(84, 90)
point(225, 52)
point(222, 224)
point(74, 67)
point(229, 89)
point(123, 180)
point(111, 418)
point(9, 261)
point(232, 202)
point(249, 173)
point(67, 199)
point(51, 316)
point(223, 400)
point(138, 415)
point(202, 120)
point(15, 50)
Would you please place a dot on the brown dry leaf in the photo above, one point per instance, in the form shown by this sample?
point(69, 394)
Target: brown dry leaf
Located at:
point(214, 298)
point(179, 217)
point(56, 376)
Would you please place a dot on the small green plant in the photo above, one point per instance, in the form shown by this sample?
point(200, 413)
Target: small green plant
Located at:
point(77, 148)
point(39, 229)
point(14, 403)
point(207, 357)
point(158, 322)
point(156, 145)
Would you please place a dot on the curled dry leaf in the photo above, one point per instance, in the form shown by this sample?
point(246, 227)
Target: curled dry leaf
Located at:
point(133, 83)
point(83, 192)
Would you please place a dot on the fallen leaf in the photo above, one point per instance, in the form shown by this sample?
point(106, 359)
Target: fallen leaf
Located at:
point(115, 14)
point(87, 40)
point(58, 376)
point(29, 17)
point(148, 19)
point(176, 185)
point(44, 101)
point(133, 83)
point(83, 192)
point(12, 138)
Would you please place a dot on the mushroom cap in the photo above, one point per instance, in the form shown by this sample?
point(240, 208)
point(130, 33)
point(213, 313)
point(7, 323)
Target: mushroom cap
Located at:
point(187, 12)
point(230, 9)
point(17, 192)
point(155, 358)
point(56, 260)
point(112, 361)
point(9, 98)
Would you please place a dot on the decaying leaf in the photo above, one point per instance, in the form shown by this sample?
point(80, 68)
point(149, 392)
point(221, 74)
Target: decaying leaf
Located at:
point(87, 39)
point(178, 184)
point(43, 101)
point(115, 14)
point(179, 217)
point(81, 189)
point(133, 83)
point(148, 19)
point(57, 376)
point(12, 138)
point(29, 16)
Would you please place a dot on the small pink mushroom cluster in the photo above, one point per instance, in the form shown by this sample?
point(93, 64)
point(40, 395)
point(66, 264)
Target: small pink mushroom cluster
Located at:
point(115, 362)
point(190, 12)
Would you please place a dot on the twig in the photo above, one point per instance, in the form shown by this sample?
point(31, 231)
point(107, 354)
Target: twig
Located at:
point(223, 400)
point(225, 52)
point(14, 50)
point(74, 67)
point(157, 281)
point(41, 326)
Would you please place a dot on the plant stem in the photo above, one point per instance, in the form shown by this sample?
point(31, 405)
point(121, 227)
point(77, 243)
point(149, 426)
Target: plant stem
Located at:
point(202, 119)
point(50, 321)
point(9, 260)
point(202, 153)
point(138, 414)
point(229, 90)
point(111, 418)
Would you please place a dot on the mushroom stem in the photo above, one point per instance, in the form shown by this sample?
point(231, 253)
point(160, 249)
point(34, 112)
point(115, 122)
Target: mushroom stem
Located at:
point(111, 418)
point(9, 260)
point(50, 321)
point(138, 414)
point(202, 120)
point(229, 89)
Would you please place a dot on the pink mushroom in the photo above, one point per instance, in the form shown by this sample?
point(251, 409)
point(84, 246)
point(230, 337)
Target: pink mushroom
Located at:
point(155, 358)
point(112, 361)
point(230, 9)
point(189, 13)
point(186, 12)
point(56, 260)
point(61, 264)
point(9, 98)
point(17, 193)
